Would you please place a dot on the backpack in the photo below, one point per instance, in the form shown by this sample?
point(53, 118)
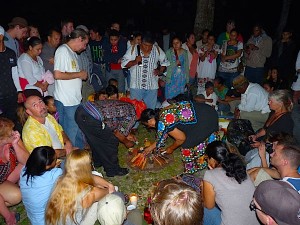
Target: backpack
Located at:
point(238, 131)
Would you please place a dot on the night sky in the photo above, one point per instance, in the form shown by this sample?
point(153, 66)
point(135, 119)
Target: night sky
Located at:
point(151, 15)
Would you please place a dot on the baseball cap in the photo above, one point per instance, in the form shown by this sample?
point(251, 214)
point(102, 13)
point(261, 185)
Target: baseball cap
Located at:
point(239, 81)
point(279, 200)
point(1, 30)
point(111, 210)
point(18, 21)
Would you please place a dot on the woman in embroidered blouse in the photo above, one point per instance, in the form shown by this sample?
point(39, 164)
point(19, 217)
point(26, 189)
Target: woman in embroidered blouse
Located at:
point(178, 72)
point(31, 69)
point(13, 157)
point(190, 124)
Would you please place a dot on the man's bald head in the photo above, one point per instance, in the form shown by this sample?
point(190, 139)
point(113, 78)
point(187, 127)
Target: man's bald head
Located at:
point(36, 108)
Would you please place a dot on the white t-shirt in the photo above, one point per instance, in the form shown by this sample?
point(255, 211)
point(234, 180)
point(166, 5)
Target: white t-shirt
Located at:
point(56, 144)
point(212, 96)
point(68, 92)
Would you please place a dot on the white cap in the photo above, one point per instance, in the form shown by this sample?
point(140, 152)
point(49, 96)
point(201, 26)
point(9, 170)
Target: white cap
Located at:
point(1, 30)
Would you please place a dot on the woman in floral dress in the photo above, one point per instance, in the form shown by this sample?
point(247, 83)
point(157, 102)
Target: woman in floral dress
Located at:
point(191, 125)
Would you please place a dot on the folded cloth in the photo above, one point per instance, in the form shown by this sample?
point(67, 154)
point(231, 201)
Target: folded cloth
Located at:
point(48, 76)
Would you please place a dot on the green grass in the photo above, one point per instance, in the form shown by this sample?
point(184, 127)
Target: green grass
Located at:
point(140, 182)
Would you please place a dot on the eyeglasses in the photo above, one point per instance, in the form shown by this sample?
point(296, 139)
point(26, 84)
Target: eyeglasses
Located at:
point(253, 207)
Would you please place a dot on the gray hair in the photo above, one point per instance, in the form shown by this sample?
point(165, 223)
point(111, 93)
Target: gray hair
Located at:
point(284, 96)
point(78, 32)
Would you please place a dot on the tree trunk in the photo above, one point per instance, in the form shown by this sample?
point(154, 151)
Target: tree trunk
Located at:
point(283, 17)
point(204, 16)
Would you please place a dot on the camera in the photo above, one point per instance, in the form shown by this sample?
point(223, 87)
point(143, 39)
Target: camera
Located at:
point(269, 147)
point(251, 140)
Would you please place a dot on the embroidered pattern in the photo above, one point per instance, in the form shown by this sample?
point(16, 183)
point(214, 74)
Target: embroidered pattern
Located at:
point(194, 158)
point(179, 113)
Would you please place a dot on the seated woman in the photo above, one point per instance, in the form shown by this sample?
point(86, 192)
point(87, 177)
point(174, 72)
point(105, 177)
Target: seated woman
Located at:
point(281, 105)
point(13, 157)
point(279, 120)
point(228, 186)
point(36, 182)
point(190, 124)
point(174, 202)
point(75, 197)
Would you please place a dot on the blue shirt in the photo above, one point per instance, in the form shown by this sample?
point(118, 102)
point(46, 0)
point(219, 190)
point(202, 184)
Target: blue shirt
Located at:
point(36, 193)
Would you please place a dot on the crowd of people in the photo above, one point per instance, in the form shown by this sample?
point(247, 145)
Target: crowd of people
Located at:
point(87, 87)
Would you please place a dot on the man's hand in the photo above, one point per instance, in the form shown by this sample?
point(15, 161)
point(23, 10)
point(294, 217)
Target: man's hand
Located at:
point(83, 75)
point(68, 147)
point(262, 150)
point(236, 113)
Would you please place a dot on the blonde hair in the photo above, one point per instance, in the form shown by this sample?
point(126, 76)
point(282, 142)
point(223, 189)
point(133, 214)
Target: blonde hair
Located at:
point(77, 177)
point(174, 202)
point(6, 127)
point(22, 114)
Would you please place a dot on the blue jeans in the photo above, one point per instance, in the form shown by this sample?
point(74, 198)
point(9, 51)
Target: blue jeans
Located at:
point(228, 77)
point(212, 216)
point(148, 96)
point(255, 75)
point(127, 79)
point(70, 127)
point(119, 76)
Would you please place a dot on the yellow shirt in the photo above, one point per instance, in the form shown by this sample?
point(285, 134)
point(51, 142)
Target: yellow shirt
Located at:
point(34, 134)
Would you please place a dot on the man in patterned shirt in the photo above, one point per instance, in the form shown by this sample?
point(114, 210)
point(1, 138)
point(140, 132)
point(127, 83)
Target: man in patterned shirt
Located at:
point(142, 62)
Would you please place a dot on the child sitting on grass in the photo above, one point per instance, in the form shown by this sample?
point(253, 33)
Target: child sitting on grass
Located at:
point(100, 95)
point(208, 96)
